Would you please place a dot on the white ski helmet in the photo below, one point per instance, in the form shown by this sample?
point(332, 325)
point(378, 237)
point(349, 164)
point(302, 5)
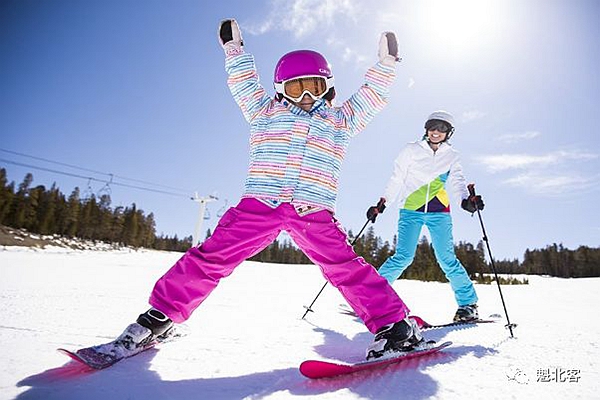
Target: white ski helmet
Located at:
point(441, 115)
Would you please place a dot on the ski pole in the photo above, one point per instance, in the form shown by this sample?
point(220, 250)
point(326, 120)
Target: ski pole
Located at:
point(510, 326)
point(309, 308)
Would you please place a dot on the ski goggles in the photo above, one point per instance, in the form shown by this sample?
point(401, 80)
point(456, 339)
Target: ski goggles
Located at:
point(315, 86)
point(437, 125)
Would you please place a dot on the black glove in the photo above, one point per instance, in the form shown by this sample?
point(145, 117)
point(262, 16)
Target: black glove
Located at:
point(373, 211)
point(230, 36)
point(388, 49)
point(472, 203)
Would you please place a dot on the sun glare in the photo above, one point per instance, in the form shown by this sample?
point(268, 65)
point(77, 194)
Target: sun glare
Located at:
point(460, 25)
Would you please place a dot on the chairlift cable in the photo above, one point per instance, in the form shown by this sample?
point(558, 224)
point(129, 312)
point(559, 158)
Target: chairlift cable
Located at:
point(93, 179)
point(92, 170)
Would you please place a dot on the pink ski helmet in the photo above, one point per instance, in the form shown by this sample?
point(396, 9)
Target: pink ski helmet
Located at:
point(302, 63)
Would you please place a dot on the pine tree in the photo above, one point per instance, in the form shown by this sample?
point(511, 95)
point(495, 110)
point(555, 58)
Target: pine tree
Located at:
point(71, 214)
point(424, 265)
point(131, 226)
point(20, 203)
point(46, 213)
point(117, 225)
point(103, 218)
point(149, 231)
point(86, 225)
point(7, 194)
point(383, 253)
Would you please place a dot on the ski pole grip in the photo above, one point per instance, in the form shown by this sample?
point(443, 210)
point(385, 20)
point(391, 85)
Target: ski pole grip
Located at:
point(471, 187)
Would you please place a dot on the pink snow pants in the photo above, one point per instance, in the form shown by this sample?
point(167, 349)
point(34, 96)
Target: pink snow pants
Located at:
point(245, 230)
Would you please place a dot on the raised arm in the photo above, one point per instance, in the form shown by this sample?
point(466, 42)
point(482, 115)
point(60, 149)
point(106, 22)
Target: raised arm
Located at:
point(243, 78)
point(372, 96)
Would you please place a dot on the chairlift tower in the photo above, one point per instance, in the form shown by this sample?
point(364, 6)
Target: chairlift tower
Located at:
point(202, 200)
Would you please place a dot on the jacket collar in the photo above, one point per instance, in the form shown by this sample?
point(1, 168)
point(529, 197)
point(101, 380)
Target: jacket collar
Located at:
point(443, 146)
point(318, 105)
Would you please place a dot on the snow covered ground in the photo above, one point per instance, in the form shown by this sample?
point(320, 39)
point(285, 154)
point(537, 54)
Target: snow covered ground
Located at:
point(247, 339)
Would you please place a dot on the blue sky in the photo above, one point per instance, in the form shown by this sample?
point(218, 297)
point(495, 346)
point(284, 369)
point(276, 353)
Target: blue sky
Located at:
point(137, 89)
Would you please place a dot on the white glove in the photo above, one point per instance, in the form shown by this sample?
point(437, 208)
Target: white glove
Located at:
point(388, 49)
point(230, 37)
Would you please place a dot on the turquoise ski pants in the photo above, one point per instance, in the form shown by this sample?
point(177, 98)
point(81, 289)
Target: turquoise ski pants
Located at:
point(439, 224)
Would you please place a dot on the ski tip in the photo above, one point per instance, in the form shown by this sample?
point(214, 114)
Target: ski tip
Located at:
point(432, 345)
point(64, 351)
point(444, 345)
point(72, 355)
point(75, 357)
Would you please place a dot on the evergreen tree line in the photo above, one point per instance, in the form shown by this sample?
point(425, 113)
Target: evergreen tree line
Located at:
point(48, 211)
point(554, 260)
point(375, 251)
point(284, 252)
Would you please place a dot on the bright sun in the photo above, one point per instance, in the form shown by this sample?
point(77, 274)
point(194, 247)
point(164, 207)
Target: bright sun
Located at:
point(460, 25)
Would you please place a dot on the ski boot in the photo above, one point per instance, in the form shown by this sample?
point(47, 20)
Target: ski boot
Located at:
point(402, 336)
point(466, 313)
point(151, 327)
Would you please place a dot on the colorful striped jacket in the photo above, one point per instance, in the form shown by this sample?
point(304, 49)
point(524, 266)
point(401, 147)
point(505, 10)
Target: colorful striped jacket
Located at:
point(296, 156)
point(420, 176)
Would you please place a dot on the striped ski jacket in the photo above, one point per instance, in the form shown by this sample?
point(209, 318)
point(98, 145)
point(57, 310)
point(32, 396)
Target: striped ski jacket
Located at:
point(296, 156)
point(420, 177)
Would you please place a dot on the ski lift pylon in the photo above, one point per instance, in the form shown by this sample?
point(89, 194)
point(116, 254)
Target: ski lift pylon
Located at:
point(201, 215)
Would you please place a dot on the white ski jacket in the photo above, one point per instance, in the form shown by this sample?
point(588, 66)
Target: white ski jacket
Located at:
point(420, 177)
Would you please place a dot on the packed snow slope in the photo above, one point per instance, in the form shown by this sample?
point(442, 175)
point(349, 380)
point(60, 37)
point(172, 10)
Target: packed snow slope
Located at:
point(247, 340)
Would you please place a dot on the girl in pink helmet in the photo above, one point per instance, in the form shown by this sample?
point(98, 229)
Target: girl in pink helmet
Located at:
point(297, 144)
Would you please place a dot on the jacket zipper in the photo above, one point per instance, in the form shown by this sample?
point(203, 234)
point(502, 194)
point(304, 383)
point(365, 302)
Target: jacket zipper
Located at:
point(428, 187)
point(427, 198)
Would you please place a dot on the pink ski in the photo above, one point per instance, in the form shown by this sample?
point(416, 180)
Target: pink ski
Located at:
point(93, 359)
point(315, 369)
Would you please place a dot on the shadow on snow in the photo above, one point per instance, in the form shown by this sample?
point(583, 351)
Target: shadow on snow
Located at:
point(133, 378)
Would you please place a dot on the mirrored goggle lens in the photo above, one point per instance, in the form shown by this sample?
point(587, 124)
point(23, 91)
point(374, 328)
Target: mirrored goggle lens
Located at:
point(317, 86)
point(439, 126)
